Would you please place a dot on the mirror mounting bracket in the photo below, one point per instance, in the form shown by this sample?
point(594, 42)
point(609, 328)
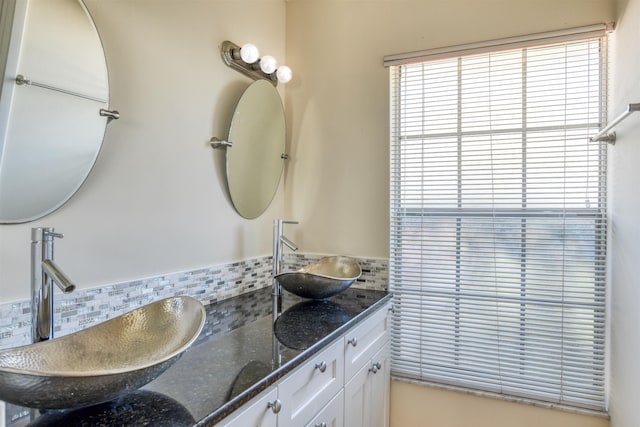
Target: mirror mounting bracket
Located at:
point(219, 143)
point(110, 114)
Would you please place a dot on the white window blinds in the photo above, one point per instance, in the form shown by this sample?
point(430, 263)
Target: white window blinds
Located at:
point(498, 227)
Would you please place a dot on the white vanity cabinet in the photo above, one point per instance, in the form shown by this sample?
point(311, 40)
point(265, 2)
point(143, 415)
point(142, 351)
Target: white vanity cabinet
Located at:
point(344, 385)
point(366, 391)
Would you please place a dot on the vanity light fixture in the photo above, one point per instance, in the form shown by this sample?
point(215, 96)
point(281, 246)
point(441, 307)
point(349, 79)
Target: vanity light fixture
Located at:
point(246, 59)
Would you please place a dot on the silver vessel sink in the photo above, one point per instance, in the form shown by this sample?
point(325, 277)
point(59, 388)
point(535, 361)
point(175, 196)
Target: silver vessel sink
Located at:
point(322, 279)
point(104, 361)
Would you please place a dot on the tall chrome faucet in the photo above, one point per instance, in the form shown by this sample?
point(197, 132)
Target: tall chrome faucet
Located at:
point(44, 273)
point(278, 241)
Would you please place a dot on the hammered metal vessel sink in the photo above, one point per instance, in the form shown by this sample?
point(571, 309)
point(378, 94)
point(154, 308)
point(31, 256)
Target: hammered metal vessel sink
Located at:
point(323, 279)
point(104, 361)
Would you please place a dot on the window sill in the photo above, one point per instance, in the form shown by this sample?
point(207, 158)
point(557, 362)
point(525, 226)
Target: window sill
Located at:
point(514, 399)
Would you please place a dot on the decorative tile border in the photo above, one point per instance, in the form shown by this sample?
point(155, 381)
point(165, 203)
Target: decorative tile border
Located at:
point(86, 307)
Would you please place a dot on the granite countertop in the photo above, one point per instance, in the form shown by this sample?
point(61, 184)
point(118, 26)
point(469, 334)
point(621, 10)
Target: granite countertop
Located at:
point(239, 353)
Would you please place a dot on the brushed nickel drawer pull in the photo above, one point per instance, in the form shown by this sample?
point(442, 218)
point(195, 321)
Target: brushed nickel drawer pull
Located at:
point(353, 341)
point(375, 367)
point(322, 366)
point(275, 406)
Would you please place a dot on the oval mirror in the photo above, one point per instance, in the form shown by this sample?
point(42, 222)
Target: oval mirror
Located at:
point(255, 158)
point(54, 85)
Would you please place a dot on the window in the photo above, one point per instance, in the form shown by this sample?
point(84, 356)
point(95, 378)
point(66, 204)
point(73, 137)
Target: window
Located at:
point(498, 221)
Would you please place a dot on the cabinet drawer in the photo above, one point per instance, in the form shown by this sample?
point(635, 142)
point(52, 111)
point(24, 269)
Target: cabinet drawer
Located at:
point(308, 389)
point(331, 415)
point(255, 413)
point(365, 340)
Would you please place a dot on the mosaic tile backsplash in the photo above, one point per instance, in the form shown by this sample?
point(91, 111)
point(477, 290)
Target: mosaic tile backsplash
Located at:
point(86, 307)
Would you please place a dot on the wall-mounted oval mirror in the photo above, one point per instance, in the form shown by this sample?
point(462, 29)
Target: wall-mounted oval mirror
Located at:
point(54, 85)
point(255, 158)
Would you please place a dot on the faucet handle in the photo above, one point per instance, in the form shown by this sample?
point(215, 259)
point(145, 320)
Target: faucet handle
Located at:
point(38, 234)
point(278, 223)
point(52, 234)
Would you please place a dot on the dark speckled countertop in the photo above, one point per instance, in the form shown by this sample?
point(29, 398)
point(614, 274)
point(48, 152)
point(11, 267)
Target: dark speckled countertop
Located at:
point(239, 353)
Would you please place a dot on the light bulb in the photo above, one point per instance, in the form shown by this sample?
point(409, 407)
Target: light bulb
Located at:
point(249, 53)
point(284, 74)
point(268, 64)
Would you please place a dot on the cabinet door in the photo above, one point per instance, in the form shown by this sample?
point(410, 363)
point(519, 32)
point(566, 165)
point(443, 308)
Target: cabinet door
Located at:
point(366, 396)
point(365, 340)
point(307, 390)
point(379, 387)
point(356, 399)
point(331, 415)
point(256, 413)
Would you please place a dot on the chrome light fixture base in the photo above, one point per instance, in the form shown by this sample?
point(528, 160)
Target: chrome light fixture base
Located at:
point(230, 53)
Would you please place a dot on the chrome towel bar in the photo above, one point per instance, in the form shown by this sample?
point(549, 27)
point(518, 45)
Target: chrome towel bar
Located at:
point(22, 80)
point(604, 134)
point(109, 114)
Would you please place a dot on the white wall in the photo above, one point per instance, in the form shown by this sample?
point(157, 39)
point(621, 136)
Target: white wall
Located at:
point(155, 202)
point(624, 202)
